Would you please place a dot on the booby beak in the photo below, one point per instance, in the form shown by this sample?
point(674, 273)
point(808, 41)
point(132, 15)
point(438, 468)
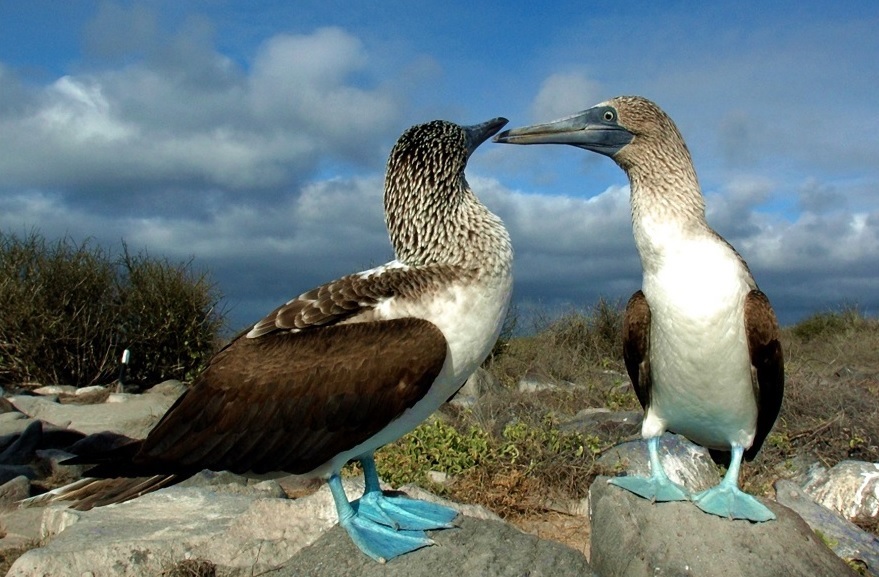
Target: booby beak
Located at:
point(479, 133)
point(596, 129)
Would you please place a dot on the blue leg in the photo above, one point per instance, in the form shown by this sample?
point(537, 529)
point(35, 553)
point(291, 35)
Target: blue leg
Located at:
point(657, 487)
point(399, 512)
point(726, 499)
point(380, 542)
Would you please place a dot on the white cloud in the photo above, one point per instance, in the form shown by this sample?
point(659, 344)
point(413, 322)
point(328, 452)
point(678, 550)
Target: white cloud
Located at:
point(153, 125)
point(563, 94)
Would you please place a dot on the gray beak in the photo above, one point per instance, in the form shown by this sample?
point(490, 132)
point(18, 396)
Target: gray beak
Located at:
point(479, 133)
point(595, 129)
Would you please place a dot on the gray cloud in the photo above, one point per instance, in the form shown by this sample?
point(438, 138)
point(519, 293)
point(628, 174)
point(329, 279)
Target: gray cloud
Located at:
point(267, 169)
point(197, 122)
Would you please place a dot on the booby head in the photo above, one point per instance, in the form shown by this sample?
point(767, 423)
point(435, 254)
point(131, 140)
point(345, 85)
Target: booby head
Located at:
point(428, 202)
point(622, 128)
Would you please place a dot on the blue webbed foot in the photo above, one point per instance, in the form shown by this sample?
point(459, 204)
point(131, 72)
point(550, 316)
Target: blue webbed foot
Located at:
point(399, 512)
point(727, 500)
point(378, 540)
point(381, 542)
point(656, 487)
point(404, 513)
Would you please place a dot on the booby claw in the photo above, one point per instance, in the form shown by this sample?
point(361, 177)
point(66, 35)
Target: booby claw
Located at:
point(726, 499)
point(380, 542)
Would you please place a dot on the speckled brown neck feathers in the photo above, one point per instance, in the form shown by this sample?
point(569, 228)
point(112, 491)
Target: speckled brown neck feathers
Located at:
point(658, 163)
point(432, 215)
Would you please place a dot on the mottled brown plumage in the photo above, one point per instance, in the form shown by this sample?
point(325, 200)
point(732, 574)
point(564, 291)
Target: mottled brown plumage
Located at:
point(349, 365)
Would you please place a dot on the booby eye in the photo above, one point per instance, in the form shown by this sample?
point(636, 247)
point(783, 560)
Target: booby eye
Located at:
point(609, 115)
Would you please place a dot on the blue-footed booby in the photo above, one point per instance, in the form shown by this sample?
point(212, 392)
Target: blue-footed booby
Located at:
point(349, 366)
point(701, 341)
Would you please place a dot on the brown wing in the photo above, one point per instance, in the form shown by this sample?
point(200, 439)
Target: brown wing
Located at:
point(291, 401)
point(636, 346)
point(767, 362)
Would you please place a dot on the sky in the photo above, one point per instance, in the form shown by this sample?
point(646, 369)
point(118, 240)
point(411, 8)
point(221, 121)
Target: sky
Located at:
point(251, 138)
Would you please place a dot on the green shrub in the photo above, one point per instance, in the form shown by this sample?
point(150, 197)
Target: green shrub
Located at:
point(169, 318)
point(433, 446)
point(68, 310)
point(830, 323)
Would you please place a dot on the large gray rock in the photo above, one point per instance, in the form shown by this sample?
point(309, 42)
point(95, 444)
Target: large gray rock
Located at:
point(478, 547)
point(240, 534)
point(246, 534)
point(133, 418)
point(684, 462)
point(633, 537)
point(600, 420)
point(480, 383)
point(845, 538)
point(850, 488)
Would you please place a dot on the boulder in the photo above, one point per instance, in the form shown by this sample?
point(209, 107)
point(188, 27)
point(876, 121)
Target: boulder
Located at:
point(604, 421)
point(844, 538)
point(90, 390)
point(850, 488)
point(633, 537)
point(477, 547)
point(133, 418)
point(171, 387)
point(14, 490)
point(480, 383)
point(54, 390)
point(685, 463)
point(247, 534)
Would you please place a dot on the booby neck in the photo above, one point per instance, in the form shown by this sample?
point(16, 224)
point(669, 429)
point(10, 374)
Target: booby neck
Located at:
point(662, 180)
point(436, 218)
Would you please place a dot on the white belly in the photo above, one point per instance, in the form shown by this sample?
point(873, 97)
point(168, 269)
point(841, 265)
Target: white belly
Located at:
point(699, 359)
point(470, 316)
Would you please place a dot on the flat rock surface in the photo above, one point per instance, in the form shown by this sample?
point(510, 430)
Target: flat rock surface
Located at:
point(684, 462)
point(633, 537)
point(845, 538)
point(482, 548)
point(133, 418)
point(242, 532)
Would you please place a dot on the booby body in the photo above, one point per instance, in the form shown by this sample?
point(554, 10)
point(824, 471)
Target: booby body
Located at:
point(351, 365)
point(701, 341)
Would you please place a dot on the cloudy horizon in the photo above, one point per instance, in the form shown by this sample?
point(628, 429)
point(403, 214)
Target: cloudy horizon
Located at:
point(252, 140)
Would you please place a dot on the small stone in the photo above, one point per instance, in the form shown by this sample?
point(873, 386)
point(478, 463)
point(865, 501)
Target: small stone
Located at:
point(55, 390)
point(438, 477)
point(90, 390)
point(14, 490)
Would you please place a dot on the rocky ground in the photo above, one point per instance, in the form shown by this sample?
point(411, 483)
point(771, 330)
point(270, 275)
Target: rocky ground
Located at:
point(219, 524)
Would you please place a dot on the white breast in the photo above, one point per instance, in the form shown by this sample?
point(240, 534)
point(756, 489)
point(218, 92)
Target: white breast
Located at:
point(700, 364)
point(470, 315)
